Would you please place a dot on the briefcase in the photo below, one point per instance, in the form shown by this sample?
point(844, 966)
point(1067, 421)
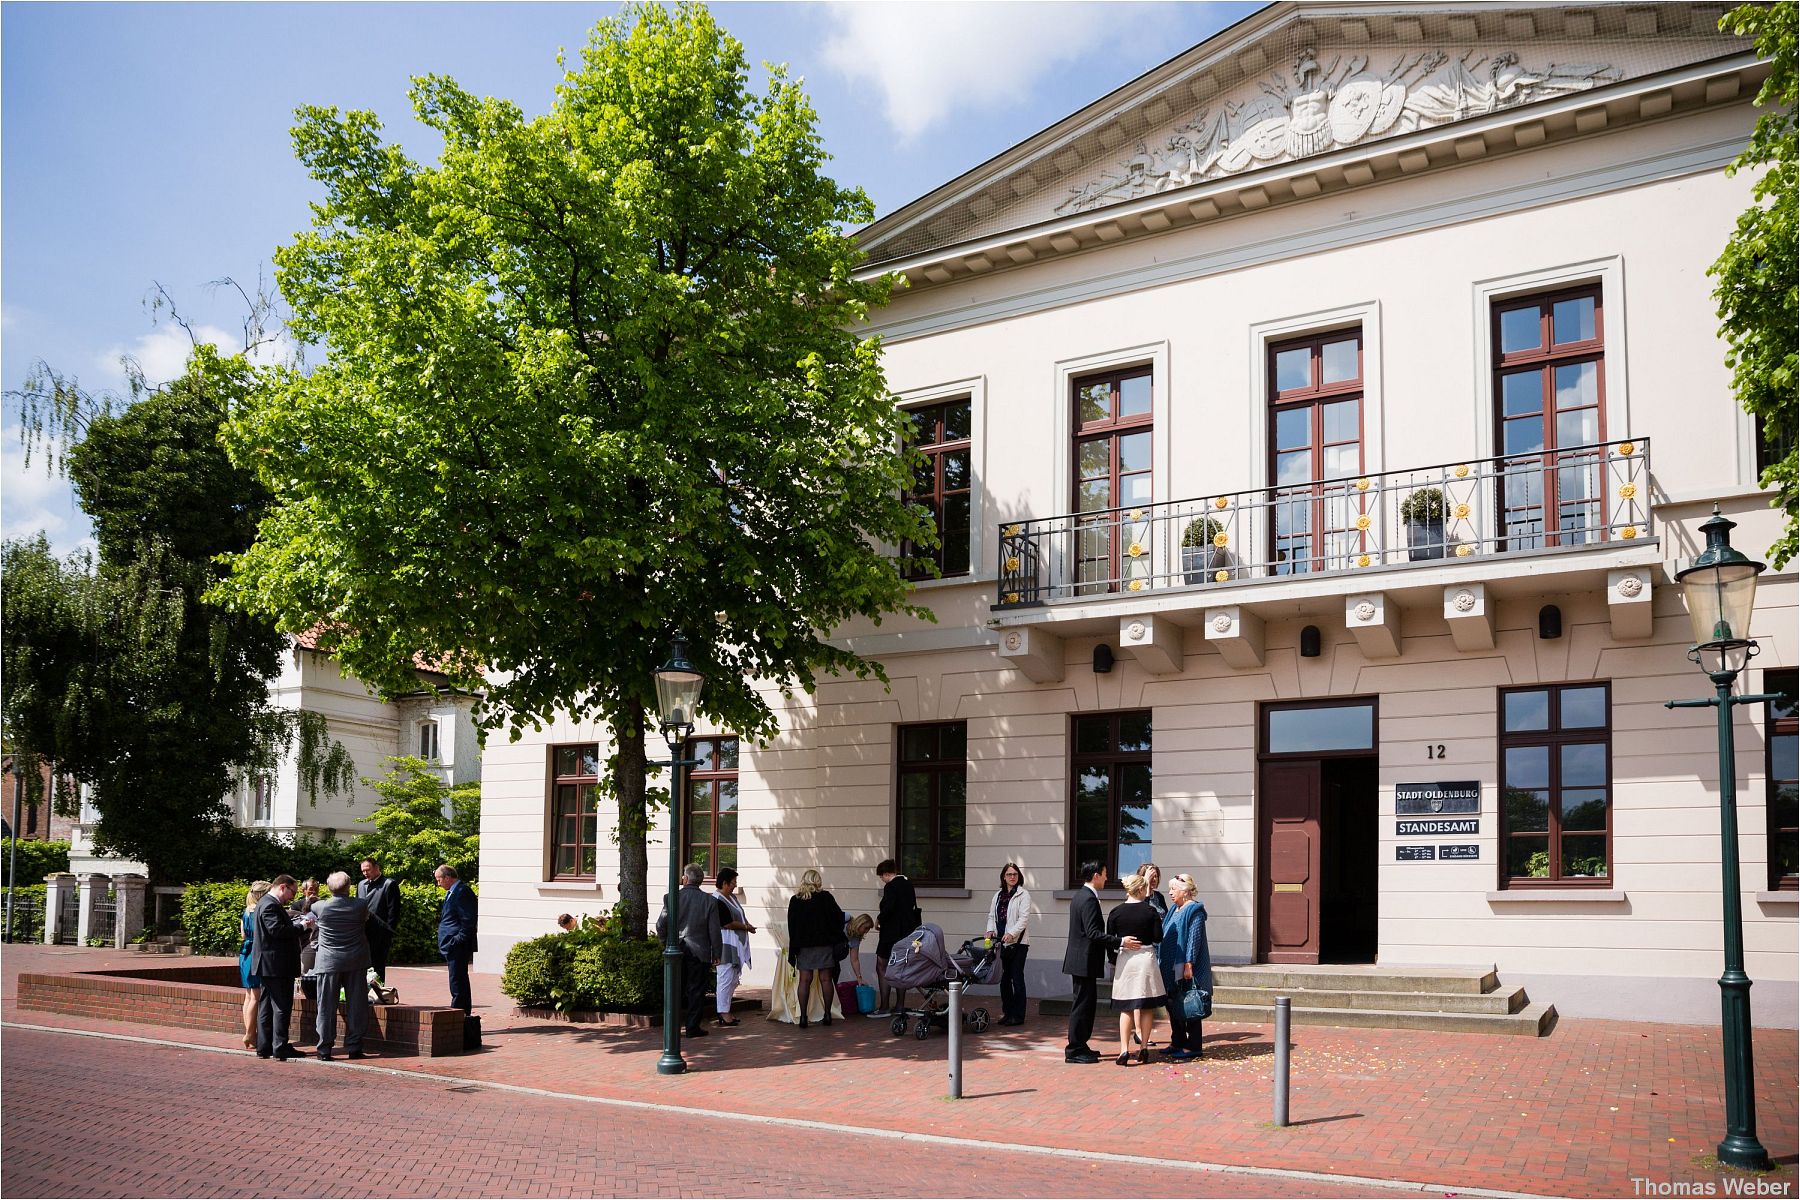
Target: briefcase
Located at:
point(471, 1033)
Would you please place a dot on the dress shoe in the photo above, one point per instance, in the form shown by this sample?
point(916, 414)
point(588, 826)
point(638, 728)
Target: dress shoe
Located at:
point(1081, 1056)
point(260, 1054)
point(324, 1056)
point(695, 1031)
point(356, 1054)
point(283, 1053)
point(826, 1019)
point(1177, 1055)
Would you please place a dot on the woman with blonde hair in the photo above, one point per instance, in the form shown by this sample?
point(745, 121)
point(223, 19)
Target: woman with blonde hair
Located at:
point(815, 931)
point(1186, 965)
point(1137, 989)
point(251, 984)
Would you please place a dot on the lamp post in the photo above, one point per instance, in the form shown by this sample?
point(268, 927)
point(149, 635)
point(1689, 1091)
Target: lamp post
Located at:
point(1720, 587)
point(678, 687)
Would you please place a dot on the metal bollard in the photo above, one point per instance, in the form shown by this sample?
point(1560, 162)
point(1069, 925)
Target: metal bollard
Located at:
point(1282, 1018)
point(955, 1019)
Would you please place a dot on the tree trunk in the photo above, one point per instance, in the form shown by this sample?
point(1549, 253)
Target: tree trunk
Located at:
point(634, 864)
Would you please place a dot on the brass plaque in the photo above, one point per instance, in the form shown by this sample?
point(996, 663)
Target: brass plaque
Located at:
point(1290, 887)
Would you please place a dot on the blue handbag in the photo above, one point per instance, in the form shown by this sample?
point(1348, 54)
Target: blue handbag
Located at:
point(865, 998)
point(1196, 1005)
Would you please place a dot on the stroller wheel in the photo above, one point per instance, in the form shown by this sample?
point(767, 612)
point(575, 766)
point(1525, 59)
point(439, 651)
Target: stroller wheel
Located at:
point(923, 1029)
point(978, 1020)
point(899, 1026)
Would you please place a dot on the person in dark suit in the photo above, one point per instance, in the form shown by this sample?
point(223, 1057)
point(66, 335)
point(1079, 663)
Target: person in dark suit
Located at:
point(382, 895)
point(895, 920)
point(456, 934)
point(275, 959)
point(1084, 960)
point(697, 929)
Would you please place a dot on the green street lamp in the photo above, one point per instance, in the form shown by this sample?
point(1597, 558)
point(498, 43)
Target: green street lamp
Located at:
point(1720, 589)
point(678, 686)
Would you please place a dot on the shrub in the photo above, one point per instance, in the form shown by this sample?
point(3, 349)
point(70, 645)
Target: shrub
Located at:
point(209, 914)
point(36, 859)
point(586, 969)
point(1425, 504)
point(231, 854)
point(412, 835)
point(28, 914)
point(1200, 532)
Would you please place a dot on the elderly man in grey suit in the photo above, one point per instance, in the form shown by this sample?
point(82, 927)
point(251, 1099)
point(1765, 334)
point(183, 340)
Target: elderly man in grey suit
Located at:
point(697, 928)
point(342, 964)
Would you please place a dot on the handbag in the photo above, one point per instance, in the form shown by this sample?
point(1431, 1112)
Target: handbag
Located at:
point(1196, 1005)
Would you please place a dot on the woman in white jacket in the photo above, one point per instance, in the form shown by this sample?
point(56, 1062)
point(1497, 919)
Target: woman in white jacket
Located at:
point(1009, 912)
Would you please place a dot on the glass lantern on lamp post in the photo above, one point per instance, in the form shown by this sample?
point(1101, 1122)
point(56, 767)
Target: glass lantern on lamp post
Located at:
point(678, 687)
point(1719, 587)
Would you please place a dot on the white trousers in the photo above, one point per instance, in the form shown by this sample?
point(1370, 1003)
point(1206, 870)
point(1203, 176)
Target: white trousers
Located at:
point(729, 974)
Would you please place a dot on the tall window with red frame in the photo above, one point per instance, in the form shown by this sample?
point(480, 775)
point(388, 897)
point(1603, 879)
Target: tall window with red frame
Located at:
point(1783, 734)
point(943, 484)
point(1316, 389)
point(574, 817)
point(712, 815)
point(1113, 424)
point(1549, 398)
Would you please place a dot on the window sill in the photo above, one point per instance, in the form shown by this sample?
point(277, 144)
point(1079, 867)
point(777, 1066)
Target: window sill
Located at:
point(946, 581)
point(925, 892)
point(1786, 896)
point(1558, 896)
point(591, 886)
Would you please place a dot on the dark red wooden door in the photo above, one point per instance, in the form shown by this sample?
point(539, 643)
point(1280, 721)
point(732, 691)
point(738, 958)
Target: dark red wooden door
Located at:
point(1288, 850)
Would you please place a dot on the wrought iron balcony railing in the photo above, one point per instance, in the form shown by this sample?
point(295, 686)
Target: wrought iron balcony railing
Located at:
point(1517, 502)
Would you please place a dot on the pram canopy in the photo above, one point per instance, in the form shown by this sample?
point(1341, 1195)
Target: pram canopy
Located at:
point(921, 960)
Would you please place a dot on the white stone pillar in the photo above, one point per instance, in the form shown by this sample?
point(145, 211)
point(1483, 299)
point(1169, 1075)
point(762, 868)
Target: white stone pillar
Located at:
point(93, 888)
point(132, 892)
point(55, 887)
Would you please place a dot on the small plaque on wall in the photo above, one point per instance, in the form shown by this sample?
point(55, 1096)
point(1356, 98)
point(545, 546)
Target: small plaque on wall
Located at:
point(1430, 799)
point(1415, 853)
point(1454, 825)
point(1461, 853)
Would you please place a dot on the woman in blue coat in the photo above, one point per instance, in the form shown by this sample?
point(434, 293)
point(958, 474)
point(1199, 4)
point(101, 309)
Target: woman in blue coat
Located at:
point(1186, 964)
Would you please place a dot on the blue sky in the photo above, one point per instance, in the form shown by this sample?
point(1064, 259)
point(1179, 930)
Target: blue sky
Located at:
point(145, 143)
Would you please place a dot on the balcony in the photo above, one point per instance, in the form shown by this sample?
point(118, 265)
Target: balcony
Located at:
point(1586, 510)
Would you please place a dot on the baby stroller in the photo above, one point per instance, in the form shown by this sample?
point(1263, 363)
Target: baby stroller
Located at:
point(921, 961)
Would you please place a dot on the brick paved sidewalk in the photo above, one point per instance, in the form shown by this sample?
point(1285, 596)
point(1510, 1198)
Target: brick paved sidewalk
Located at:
point(1580, 1113)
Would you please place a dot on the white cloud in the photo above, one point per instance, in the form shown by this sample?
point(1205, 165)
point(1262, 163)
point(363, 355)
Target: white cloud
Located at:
point(929, 61)
point(32, 499)
point(162, 353)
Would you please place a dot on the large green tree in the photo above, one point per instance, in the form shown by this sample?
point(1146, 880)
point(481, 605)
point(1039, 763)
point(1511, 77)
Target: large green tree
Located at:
point(1759, 273)
point(590, 377)
point(118, 670)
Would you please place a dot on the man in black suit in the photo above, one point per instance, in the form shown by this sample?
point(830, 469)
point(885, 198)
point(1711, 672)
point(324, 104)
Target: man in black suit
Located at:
point(456, 934)
point(382, 895)
point(275, 959)
point(1085, 959)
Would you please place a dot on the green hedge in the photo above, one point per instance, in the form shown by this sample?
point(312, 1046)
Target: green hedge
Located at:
point(586, 969)
point(36, 859)
point(28, 922)
point(210, 911)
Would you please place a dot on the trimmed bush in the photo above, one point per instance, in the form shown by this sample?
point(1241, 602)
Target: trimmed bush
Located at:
point(585, 969)
point(28, 917)
point(209, 914)
point(36, 859)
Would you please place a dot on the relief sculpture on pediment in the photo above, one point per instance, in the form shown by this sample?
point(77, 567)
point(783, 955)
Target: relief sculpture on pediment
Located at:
point(1324, 108)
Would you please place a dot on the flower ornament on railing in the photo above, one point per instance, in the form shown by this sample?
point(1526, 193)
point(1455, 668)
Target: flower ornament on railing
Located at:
point(1629, 532)
point(1220, 502)
point(1628, 491)
point(1626, 449)
point(1137, 514)
point(1137, 585)
point(1221, 539)
point(1462, 512)
point(1014, 530)
point(1461, 471)
point(1362, 522)
point(1362, 485)
point(1363, 560)
point(1464, 550)
point(1013, 564)
point(1221, 576)
point(1136, 550)
point(1012, 597)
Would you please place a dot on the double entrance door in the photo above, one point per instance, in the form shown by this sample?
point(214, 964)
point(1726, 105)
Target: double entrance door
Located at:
point(1317, 838)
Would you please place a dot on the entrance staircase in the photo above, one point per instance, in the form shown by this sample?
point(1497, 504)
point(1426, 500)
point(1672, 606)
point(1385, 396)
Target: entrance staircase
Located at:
point(1445, 999)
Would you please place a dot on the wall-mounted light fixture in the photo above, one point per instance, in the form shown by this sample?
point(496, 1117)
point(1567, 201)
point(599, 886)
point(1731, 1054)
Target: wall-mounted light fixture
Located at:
point(1549, 622)
point(1309, 642)
point(1103, 659)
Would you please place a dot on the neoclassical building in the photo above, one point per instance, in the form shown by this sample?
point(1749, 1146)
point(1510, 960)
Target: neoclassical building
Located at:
point(1315, 424)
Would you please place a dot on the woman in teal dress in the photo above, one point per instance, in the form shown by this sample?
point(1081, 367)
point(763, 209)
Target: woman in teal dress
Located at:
point(252, 985)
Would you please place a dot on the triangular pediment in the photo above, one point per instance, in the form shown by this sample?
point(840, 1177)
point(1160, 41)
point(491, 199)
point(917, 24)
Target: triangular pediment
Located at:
point(1297, 81)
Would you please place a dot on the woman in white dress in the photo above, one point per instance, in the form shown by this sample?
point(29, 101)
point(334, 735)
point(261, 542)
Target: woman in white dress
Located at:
point(1137, 988)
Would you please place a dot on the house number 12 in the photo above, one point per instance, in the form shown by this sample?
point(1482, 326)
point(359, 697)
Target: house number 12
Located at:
point(1435, 751)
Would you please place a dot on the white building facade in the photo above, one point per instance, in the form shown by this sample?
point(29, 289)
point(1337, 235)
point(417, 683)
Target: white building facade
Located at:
point(1315, 426)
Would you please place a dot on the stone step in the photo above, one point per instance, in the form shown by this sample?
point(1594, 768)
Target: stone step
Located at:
point(1499, 1002)
point(1359, 978)
point(1534, 1020)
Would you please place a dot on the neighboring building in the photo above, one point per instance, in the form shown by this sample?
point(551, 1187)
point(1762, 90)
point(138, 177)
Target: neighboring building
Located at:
point(436, 728)
point(1185, 364)
point(33, 821)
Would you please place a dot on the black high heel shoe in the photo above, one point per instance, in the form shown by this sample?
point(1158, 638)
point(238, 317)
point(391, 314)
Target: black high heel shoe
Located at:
point(1144, 1056)
point(1124, 1059)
